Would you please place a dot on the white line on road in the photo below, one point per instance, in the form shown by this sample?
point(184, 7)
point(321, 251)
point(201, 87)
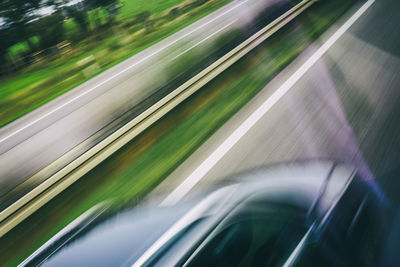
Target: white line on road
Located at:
point(117, 74)
point(203, 40)
point(222, 149)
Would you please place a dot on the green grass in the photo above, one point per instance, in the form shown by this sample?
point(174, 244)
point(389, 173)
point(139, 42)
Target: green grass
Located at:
point(139, 166)
point(42, 82)
point(134, 7)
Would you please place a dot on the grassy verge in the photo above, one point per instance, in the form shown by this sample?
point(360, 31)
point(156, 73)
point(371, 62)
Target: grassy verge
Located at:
point(138, 167)
point(44, 81)
point(131, 8)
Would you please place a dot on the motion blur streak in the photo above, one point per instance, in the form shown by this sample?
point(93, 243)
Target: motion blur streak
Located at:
point(213, 159)
point(303, 94)
point(74, 121)
point(123, 71)
point(203, 40)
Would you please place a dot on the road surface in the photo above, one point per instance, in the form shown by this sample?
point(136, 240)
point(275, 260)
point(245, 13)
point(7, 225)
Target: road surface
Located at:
point(93, 110)
point(345, 105)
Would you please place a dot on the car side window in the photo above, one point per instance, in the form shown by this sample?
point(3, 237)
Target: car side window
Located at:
point(356, 222)
point(351, 235)
point(254, 236)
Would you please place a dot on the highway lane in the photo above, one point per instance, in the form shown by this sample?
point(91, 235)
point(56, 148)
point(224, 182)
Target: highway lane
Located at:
point(344, 107)
point(98, 107)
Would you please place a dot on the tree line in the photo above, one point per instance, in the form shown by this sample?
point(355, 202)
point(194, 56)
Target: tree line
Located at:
point(21, 20)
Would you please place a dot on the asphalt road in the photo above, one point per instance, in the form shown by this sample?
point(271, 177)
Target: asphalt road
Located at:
point(98, 107)
point(345, 107)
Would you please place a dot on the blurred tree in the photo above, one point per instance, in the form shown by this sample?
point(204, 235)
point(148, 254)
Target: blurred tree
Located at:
point(17, 14)
point(81, 18)
point(100, 3)
point(54, 33)
point(145, 18)
point(110, 6)
point(6, 37)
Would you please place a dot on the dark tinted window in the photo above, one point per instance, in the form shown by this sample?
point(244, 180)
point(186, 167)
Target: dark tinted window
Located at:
point(356, 223)
point(318, 254)
point(255, 235)
point(352, 234)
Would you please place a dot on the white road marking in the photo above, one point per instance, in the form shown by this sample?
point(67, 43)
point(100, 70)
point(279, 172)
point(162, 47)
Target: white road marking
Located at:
point(205, 39)
point(117, 74)
point(222, 149)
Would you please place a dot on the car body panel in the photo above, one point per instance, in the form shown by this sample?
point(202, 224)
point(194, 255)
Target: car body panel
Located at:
point(314, 187)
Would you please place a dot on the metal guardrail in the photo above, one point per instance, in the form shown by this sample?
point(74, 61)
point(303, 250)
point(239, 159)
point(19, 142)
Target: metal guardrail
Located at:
point(59, 181)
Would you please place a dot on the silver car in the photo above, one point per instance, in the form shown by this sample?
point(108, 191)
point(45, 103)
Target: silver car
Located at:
point(298, 214)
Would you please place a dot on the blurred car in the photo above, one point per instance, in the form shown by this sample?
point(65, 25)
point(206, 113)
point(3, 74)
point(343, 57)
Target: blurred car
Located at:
point(298, 214)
